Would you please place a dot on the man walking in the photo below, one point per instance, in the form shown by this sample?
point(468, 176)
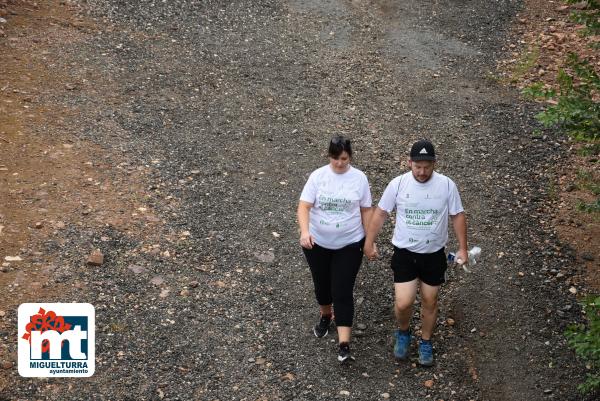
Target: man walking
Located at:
point(424, 199)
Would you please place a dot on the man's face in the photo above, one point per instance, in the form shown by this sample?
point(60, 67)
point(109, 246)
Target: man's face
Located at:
point(422, 169)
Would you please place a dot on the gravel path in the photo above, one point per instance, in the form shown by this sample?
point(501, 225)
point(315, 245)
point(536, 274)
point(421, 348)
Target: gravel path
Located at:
point(229, 106)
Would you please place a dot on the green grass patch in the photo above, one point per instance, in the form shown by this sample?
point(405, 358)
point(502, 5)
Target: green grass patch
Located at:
point(526, 62)
point(585, 340)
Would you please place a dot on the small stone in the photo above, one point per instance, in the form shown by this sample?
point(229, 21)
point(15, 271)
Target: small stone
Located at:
point(2, 313)
point(137, 269)
point(265, 257)
point(13, 258)
point(289, 376)
point(7, 364)
point(548, 391)
point(164, 293)
point(39, 225)
point(275, 234)
point(361, 326)
point(521, 274)
point(96, 258)
point(473, 330)
point(385, 395)
point(450, 321)
point(587, 256)
point(157, 280)
point(193, 284)
point(428, 383)
point(573, 290)
point(260, 361)
point(344, 392)
point(2, 20)
point(185, 292)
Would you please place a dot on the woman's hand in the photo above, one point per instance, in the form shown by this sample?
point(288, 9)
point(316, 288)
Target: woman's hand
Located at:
point(306, 240)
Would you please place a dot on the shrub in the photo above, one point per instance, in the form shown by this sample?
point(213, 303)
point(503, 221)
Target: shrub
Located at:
point(575, 106)
point(589, 16)
point(585, 340)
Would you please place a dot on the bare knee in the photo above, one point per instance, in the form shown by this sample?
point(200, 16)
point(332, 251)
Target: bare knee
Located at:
point(429, 304)
point(403, 305)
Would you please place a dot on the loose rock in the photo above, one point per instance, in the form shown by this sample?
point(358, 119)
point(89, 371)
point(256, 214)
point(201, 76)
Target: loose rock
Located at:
point(96, 258)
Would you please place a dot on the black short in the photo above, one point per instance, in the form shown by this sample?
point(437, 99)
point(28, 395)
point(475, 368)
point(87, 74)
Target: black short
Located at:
point(430, 268)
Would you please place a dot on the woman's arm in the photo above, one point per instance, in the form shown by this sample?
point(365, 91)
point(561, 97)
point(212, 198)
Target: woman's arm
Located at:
point(365, 214)
point(306, 240)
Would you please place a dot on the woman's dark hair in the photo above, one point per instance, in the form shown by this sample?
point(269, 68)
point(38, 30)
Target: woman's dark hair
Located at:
point(339, 144)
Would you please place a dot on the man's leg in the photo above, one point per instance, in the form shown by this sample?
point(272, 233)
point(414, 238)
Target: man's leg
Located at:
point(429, 309)
point(405, 294)
point(404, 298)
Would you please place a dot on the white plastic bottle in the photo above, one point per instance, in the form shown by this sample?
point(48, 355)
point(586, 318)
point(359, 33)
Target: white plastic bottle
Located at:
point(473, 254)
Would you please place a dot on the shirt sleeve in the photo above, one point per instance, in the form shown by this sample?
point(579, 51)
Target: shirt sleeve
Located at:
point(388, 199)
point(309, 192)
point(454, 203)
point(366, 200)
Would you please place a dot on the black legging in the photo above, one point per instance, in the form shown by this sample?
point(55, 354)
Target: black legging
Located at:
point(334, 272)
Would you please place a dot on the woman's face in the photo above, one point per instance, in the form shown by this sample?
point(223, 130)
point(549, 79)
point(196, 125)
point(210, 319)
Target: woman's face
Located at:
point(340, 163)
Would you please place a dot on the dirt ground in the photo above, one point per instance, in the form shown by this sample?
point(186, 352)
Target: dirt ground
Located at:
point(175, 138)
point(543, 37)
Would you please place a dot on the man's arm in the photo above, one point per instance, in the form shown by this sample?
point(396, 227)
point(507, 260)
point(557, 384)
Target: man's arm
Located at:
point(459, 222)
point(377, 219)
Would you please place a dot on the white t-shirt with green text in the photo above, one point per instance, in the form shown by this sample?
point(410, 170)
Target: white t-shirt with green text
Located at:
point(422, 211)
point(335, 219)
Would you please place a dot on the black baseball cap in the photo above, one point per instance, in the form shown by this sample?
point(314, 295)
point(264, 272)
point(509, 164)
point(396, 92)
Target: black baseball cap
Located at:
point(422, 150)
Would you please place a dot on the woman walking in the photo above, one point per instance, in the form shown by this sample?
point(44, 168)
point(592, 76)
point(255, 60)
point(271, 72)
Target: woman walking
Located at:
point(334, 209)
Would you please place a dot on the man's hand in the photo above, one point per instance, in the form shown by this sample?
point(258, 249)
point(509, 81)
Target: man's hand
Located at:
point(370, 250)
point(462, 257)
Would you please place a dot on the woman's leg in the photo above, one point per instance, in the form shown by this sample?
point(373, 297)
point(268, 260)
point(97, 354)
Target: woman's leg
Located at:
point(345, 265)
point(319, 261)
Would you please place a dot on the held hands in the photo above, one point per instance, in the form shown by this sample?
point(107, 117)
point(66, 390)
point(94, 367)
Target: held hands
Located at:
point(306, 240)
point(370, 250)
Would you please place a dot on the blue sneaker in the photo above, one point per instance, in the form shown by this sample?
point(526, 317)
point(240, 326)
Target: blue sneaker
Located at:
point(402, 344)
point(425, 353)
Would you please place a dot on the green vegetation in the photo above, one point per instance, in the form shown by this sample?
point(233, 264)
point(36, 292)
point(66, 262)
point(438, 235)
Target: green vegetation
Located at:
point(589, 16)
point(526, 61)
point(574, 107)
point(585, 340)
point(585, 180)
